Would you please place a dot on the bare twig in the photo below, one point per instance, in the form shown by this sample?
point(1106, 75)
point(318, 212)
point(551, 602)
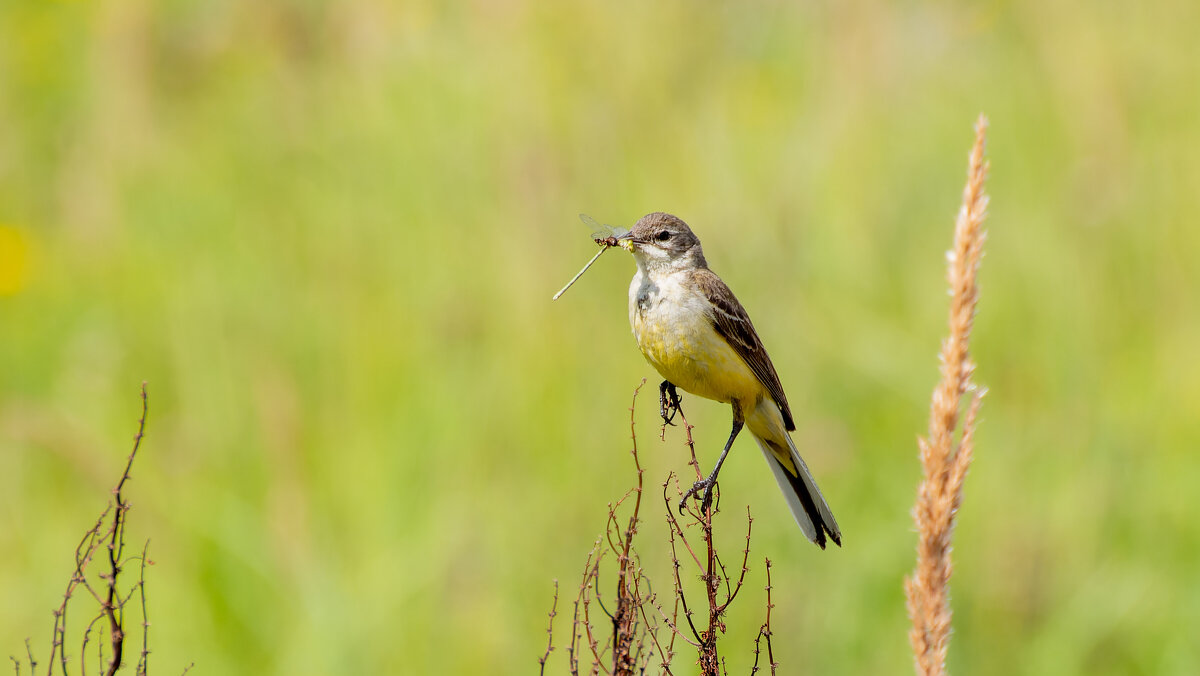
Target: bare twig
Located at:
point(625, 627)
point(732, 594)
point(712, 570)
point(709, 661)
point(549, 632)
point(765, 630)
point(144, 660)
point(945, 462)
point(632, 639)
point(634, 642)
point(591, 575)
point(573, 650)
point(84, 552)
point(87, 634)
point(108, 532)
point(116, 547)
point(664, 654)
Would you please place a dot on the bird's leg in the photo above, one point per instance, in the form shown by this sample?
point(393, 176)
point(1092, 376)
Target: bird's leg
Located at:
point(707, 484)
point(668, 402)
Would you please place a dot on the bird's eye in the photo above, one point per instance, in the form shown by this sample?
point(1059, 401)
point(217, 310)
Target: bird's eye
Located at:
point(662, 236)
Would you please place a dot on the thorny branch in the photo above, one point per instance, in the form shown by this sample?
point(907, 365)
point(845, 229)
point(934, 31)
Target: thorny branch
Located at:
point(116, 547)
point(549, 632)
point(108, 533)
point(765, 630)
point(713, 573)
point(634, 641)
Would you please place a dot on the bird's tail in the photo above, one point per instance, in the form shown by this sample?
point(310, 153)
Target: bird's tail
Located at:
point(808, 506)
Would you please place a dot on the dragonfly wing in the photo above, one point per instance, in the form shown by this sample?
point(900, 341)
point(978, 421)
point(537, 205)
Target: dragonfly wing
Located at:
point(602, 232)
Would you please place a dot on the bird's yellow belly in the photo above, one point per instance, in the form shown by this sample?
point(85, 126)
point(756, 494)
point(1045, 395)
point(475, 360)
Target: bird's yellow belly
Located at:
point(688, 352)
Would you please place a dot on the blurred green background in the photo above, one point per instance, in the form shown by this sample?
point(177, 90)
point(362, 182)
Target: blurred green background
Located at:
point(327, 234)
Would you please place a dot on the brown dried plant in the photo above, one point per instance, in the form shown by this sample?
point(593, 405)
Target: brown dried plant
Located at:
point(633, 640)
point(944, 460)
point(633, 644)
point(711, 569)
point(764, 632)
point(106, 540)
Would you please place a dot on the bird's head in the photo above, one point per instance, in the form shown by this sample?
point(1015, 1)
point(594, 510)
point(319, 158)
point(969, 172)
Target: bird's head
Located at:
point(661, 241)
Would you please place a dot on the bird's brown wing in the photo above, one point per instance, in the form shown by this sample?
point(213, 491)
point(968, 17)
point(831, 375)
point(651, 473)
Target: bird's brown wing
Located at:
point(730, 320)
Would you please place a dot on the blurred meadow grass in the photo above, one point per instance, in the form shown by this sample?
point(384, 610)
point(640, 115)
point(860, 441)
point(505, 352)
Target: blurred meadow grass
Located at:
point(327, 235)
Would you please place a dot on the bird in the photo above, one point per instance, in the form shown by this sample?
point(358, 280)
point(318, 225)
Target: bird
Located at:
point(691, 328)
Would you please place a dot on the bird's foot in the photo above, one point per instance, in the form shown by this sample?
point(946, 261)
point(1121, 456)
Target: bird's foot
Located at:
point(668, 402)
point(705, 485)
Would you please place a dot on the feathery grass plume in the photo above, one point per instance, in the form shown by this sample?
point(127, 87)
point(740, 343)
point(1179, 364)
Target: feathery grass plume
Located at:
point(945, 462)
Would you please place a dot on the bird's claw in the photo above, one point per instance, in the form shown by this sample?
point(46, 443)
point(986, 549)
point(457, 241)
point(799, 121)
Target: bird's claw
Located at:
point(705, 485)
point(668, 402)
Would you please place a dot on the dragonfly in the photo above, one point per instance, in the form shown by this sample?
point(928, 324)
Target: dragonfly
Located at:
point(604, 235)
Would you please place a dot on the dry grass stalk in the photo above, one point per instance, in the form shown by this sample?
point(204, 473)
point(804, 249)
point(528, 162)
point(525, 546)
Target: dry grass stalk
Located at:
point(945, 462)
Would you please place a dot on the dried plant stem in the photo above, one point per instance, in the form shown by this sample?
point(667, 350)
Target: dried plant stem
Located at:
point(712, 570)
point(944, 461)
point(549, 632)
point(108, 533)
point(144, 660)
point(765, 630)
point(116, 547)
point(633, 641)
point(625, 618)
point(636, 612)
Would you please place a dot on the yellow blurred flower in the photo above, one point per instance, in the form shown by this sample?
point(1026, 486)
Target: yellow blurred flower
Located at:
point(14, 260)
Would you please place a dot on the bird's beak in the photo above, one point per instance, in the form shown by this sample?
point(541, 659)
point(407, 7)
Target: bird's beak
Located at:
point(627, 241)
